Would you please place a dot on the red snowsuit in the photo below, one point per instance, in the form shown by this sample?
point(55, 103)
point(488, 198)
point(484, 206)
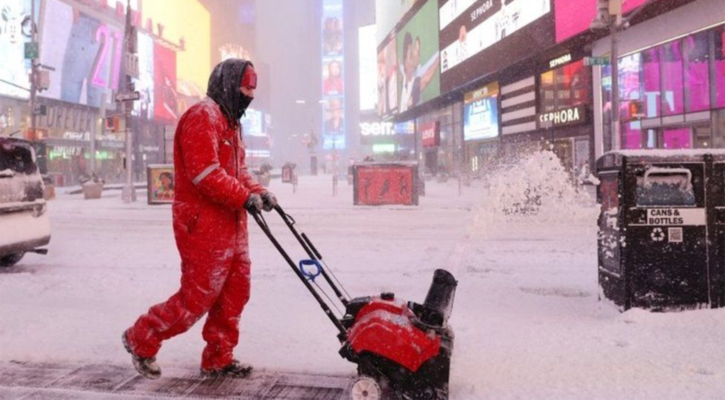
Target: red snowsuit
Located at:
point(210, 226)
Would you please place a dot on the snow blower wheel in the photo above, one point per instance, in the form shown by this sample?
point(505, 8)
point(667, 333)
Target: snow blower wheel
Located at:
point(365, 388)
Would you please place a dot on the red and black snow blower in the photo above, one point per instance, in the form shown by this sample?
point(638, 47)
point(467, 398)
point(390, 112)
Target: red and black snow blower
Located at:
point(402, 350)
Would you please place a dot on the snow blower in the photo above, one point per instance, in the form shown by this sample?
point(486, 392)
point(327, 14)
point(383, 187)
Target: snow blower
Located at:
point(402, 350)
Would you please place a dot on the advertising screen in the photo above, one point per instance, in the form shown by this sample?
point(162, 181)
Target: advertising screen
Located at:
point(405, 128)
point(417, 48)
point(252, 123)
point(333, 90)
point(387, 79)
point(144, 108)
point(368, 70)
point(388, 13)
point(478, 37)
point(165, 100)
point(480, 113)
point(160, 184)
point(14, 68)
point(85, 53)
point(575, 16)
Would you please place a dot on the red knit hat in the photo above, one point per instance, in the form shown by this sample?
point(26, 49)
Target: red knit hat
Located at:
point(249, 79)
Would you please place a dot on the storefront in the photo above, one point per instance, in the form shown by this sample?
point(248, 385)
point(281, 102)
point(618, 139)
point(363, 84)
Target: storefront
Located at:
point(481, 127)
point(148, 146)
point(671, 82)
point(565, 110)
point(13, 114)
point(66, 130)
point(441, 137)
point(387, 141)
point(551, 110)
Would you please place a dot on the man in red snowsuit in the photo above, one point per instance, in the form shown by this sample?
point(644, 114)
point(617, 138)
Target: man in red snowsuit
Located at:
point(213, 192)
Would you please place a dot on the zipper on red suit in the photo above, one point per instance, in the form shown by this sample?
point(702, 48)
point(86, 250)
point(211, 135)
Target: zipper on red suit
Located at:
point(236, 175)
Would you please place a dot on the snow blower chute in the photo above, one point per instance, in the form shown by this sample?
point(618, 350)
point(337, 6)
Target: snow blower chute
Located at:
point(402, 350)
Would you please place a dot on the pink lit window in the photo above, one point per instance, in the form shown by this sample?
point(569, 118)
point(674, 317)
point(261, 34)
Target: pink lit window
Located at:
point(673, 96)
point(719, 67)
point(697, 71)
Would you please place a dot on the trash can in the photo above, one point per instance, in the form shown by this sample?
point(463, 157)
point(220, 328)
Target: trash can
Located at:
point(288, 173)
point(717, 250)
point(661, 244)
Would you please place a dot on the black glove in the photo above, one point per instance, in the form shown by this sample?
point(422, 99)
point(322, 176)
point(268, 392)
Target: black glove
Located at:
point(269, 200)
point(254, 203)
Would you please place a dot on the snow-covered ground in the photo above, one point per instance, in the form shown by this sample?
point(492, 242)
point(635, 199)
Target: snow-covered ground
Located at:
point(527, 320)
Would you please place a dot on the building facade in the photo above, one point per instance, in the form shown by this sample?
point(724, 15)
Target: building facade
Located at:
point(516, 76)
point(79, 124)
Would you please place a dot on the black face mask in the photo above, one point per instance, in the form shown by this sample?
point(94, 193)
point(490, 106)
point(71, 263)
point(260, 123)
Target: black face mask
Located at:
point(224, 89)
point(244, 102)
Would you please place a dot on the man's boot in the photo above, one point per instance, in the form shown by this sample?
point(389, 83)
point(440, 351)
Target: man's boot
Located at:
point(147, 367)
point(234, 370)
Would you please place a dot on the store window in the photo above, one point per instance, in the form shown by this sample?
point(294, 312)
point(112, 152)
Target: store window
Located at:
point(697, 72)
point(673, 101)
point(632, 134)
point(630, 84)
point(651, 78)
point(565, 87)
point(719, 67)
point(718, 125)
point(683, 76)
point(677, 138)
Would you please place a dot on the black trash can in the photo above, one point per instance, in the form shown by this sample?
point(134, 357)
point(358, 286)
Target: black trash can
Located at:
point(717, 250)
point(661, 241)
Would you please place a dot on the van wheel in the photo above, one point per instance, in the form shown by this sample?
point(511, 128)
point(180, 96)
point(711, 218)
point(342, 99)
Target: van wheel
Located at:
point(10, 259)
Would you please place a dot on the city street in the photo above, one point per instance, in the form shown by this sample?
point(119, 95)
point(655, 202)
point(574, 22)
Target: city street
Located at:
point(527, 319)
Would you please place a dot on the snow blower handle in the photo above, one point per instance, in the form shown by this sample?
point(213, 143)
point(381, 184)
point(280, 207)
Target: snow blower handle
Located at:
point(265, 228)
point(311, 252)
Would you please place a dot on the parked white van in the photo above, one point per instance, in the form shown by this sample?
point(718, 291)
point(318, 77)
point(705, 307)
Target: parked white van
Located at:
point(24, 222)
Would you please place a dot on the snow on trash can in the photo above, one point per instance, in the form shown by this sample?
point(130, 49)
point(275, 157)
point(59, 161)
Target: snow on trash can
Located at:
point(661, 244)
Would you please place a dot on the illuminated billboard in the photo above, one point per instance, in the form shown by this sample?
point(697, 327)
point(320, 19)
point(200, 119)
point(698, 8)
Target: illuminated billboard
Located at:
point(253, 123)
point(144, 107)
point(387, 86)
point(85, 53)
point(14, 68)
point(480, 113)
point(388, 13)
point(333, 90)
point(417, 48)
point(166, 106)
point(368, 69)
point(576, 16)
point(482, 36)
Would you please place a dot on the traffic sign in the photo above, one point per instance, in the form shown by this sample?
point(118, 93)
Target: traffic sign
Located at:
point(592, 61)
point(32, 50)
point(128, 96)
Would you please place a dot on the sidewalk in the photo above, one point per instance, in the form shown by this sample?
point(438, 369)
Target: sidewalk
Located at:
point(20, 380)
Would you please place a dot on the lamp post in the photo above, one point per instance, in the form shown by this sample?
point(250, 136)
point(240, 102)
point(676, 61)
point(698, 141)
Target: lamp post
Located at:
point(130, 67)
point(34, 66)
